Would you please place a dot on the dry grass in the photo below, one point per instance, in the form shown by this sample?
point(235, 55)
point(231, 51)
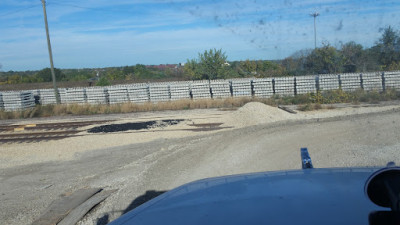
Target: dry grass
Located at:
point(307, 102)
point(87, 109)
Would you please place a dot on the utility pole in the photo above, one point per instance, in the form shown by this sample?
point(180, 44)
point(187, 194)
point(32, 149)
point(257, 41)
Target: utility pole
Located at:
point(315, 14)
point(50, 53)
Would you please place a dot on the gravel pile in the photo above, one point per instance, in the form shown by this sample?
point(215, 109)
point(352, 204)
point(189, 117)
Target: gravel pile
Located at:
point(257, 113)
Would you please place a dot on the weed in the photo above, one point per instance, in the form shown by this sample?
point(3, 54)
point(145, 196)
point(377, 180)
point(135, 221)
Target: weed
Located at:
point(311, 101)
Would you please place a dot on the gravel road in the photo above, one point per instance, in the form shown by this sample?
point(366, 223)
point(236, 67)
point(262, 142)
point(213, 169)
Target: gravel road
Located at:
point(164, 163)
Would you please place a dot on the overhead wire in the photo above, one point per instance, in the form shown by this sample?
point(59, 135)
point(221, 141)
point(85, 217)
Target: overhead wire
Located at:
point(18, 10)
point(90, 8)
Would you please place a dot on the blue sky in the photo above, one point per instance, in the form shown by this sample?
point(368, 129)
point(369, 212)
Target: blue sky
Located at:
point(103, 33)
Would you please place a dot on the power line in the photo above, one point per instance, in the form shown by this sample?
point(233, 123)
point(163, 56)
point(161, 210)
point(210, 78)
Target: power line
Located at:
point(18, 10)
point(89, 8)
point(75, 6)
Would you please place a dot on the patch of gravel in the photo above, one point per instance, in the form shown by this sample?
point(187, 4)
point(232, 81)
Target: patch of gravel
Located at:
point(253, 113)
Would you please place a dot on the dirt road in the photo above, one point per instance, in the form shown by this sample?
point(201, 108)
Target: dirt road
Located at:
point(166, 162)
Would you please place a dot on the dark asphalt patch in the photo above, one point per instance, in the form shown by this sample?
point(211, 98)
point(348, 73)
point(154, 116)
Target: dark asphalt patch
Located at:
point(133, 126)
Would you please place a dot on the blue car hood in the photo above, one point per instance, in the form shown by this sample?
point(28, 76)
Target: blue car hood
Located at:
point(311, 196)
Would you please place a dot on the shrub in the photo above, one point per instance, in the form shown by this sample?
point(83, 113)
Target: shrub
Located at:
point(103, 82)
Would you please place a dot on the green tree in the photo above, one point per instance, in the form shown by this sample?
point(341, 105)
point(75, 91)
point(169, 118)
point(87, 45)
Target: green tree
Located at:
point(389, 47)
point(114, 74)
point(353, 57)
point(250, 67)
point(325, 60)
point(190, 70)
point(45, 75)
point(103, 82)
point(296, 63)
point(212, 65)
point(141, 72)
point(14, 79)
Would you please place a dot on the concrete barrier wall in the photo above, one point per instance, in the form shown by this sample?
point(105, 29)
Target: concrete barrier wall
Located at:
point(306, 84)
point(372, 81)
point(159, 92)
point(220, 88)
point(179, 90)
point(350, 82)
point(200, 89)
point(203, 89)
point(96, 95)
point(138, 93)
point(17, 100)
point(328, 82)
point(284, 86)
point(241, 87)
point(117, 94)
point(392, 80)
point(263, 88)
point(73, 95)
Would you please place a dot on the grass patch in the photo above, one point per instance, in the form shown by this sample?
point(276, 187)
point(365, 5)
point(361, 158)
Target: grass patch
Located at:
point(310, 107)
point(307, 102)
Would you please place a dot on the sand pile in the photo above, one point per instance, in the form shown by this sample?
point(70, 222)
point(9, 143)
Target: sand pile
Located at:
point(254, 113)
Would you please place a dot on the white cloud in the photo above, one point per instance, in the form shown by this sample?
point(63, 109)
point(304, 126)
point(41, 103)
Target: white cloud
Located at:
point(244, 29)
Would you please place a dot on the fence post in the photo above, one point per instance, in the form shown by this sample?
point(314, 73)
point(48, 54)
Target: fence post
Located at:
point(317, 83)
point(295, 86)
point(383, 82)
point(209, 84)
point(340, 82)
point(231, 88)
point(252, 88)
point(361, 81)
point(190, 91)
point(273, 85)
point(169, 92)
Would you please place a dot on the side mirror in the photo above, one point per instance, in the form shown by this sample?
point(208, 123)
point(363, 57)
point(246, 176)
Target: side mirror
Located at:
point(383, 189)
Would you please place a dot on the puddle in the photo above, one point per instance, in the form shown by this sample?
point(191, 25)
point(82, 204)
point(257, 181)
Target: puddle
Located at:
point(134, 126)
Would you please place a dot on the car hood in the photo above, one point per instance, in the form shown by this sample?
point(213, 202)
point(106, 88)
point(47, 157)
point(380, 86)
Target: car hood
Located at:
point(310, 196)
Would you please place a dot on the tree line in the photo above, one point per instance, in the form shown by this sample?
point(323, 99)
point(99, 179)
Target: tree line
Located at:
point(349, 57)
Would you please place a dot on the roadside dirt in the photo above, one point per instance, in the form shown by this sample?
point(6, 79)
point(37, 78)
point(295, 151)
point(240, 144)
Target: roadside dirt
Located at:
point(253, 138)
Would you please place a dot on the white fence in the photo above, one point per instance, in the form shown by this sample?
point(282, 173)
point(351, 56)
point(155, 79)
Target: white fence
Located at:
point(16, 100)
point(284, 86)
point(263, 88)
point(117, 94)
point(392, 80)
point(372, 81)
point(241, 88)
point(350, 82)
point(200, 89)
point(73, 95)
point(328, 82)
point(47, 96)
point(138, 93)
point(96, 95)
point(220, 88)
point(159, 92)
point(179, 90)
point(306, 84)
point(204, 89)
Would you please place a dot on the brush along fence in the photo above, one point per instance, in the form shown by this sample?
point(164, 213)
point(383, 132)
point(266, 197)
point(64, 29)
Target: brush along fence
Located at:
point(203, 89)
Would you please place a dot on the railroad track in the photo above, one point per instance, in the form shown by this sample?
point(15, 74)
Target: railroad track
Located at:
point(25, 133)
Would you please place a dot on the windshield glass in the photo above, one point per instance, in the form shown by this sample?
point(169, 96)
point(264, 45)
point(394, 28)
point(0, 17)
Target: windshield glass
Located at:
point(126, 100)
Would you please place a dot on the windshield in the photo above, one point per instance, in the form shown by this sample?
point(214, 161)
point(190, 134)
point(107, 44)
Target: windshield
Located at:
point(126, 100)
